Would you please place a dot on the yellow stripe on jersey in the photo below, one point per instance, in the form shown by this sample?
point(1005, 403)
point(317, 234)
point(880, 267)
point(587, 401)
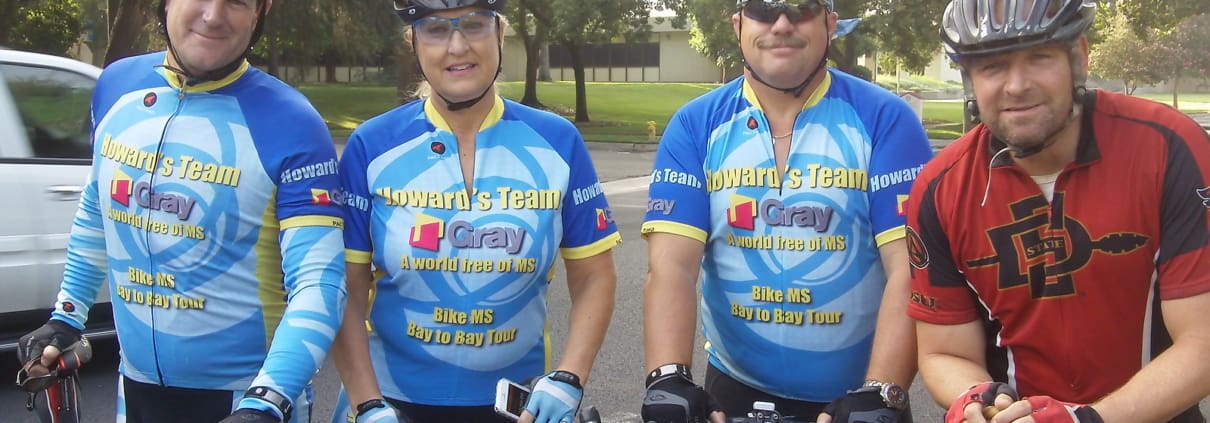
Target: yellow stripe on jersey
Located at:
point(270, 288)
point(313, 220)
point(359, 257)
point(600, 246)
point(893, 234)
point(668, 226)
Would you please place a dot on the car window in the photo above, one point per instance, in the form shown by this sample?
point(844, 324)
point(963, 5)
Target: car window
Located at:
point(54, 106)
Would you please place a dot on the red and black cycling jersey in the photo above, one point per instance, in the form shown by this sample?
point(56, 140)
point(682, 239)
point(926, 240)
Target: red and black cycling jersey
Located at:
point(1069, 289)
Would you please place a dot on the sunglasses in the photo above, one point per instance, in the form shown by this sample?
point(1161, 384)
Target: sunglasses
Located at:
point(474, 26)
point(768, 11)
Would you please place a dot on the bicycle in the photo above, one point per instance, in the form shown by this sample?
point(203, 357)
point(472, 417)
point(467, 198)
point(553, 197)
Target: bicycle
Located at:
point(61, 402)
point(764, 412)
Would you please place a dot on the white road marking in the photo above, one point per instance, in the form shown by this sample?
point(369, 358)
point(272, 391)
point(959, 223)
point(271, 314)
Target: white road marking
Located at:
point(625, 186)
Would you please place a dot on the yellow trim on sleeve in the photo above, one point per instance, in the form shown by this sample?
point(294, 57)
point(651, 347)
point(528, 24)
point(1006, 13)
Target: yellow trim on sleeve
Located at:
point(357, 256)
point(314, 220)
point(602, 245)
point(893, 234)
point(666, 226)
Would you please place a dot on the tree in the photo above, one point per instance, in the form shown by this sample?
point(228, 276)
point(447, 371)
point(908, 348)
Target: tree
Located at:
point(1117, 56)
point(533, 34)
point(1190, 47)
point(1149, 17)
point(574, 24)
point(127, 27)
point(46, 26)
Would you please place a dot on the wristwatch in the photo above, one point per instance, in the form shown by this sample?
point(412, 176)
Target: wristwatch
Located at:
point(567, 377)
point(893, 395)
point(672, 369)
point(365, 407)
point(270, 396)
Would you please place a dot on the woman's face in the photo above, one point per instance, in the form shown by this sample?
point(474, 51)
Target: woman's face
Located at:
point(458, 51)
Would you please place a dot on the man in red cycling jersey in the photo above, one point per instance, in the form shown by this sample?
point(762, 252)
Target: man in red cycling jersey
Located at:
point(1059, 249)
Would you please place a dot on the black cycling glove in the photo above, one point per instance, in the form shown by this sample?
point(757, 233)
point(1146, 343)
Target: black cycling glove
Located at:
point(250, 415)
point(54, 332)
point(674, 398)
point(862, 406)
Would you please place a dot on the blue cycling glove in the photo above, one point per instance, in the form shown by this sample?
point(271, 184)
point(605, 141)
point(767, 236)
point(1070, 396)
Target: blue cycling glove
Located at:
point(555, 398)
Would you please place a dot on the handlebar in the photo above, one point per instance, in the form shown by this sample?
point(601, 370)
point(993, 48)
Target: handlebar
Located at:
point(764, 412)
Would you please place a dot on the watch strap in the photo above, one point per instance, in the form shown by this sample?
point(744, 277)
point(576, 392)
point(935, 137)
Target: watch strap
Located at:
point(567, 377)
point(671, 369)
point(283, 404)
point(368, 405)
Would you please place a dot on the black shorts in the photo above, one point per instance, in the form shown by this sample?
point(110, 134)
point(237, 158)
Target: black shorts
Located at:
point(736, 399)
point(420, 413)
point(151, 403)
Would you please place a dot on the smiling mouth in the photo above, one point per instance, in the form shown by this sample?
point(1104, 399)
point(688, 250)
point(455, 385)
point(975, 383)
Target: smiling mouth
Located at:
point(460, 68)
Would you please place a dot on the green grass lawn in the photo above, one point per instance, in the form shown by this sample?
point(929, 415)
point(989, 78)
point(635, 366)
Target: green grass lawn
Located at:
point(619, 112)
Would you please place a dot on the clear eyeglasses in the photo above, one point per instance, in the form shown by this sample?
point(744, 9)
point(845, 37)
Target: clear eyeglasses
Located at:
point(474, 26)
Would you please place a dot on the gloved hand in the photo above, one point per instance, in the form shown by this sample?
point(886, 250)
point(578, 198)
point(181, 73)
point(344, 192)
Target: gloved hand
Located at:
point(554, 401)
point(676, 399)
point(983, 393)
point(383, 413)
point(861, 405)
point(1049, 410)
point(250, 415)
point(54, 333)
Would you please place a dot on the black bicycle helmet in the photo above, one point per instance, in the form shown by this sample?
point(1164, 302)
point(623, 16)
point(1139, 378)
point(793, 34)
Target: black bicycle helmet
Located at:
point(414, 10)
point(974, 28)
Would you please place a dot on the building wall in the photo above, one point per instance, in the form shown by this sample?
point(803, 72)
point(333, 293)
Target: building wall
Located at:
point(940, 68)
point(679, 62)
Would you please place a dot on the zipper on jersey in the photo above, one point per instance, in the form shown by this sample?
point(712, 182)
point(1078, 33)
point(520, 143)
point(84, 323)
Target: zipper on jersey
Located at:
point(147, 236)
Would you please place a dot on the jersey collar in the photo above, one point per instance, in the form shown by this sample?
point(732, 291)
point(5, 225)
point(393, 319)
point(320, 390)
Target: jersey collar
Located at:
point(816, 96)
point(175, 81)
point(493, 116)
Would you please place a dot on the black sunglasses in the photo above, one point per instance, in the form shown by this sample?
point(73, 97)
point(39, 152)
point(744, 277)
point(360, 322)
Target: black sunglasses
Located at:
point(769, 12)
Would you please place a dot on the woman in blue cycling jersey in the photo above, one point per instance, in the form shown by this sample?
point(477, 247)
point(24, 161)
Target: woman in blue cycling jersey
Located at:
point(459, 204)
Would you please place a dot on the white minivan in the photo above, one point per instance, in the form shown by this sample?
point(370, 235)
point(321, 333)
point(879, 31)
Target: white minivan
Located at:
point(44, 160)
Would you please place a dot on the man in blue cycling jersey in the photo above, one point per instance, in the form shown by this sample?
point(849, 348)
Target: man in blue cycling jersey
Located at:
point(211, 209)
point(784, 189)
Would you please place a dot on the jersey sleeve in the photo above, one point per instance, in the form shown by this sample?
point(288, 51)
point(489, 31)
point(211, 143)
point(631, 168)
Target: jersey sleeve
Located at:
point(900, 150)
point(677, 199)
point(308, 177)
point(357, 198)
point(1184, 258)
point(940, 294)
point(588, 226)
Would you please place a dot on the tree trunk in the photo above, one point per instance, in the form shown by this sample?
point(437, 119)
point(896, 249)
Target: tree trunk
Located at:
point(406, 75)
point(577, 66)
point(544, 63)
point(530, 98)
point(330, 69)
point(1176, 83)
point(274, 64)
point(128, 22)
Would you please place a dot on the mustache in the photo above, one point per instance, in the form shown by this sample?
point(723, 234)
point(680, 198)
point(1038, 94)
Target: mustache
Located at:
point(781, 42)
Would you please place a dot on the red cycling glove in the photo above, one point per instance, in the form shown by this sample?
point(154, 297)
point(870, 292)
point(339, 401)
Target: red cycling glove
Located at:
point(1050, 410)
point(983, 393)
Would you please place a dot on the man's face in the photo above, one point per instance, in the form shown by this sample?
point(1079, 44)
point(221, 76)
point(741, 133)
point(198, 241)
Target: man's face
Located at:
point(782, 50)
point(1025, 97)
point(208, 34)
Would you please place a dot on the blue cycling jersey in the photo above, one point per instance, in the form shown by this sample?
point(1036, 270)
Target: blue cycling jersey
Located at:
point(210, 209)
point(791, 277)
point(461, 298)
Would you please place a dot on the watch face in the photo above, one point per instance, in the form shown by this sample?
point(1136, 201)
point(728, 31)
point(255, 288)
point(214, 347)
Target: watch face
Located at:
point(895, 396)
